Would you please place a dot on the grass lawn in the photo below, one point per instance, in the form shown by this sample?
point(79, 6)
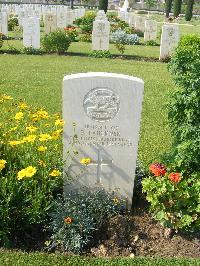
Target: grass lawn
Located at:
point(38, 79)
point(39, 259)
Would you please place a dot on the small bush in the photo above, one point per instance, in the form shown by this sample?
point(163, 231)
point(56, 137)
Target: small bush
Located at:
point(1, 39)
point(138, 32)
point(85, 23)
point(12, 23)
point(32, 51)
point(77, 218)
point(100, 54)
point(151, 43)
point(122, 37)
point(57, 41)
point(72, 32)
point(86, 37)
point(173, 197)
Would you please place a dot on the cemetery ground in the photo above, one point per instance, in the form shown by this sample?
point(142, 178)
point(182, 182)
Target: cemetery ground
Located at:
point(37, 79)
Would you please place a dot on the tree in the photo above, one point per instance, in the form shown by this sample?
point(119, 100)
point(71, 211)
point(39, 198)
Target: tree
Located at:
point(189, 9)
point(168, 7)
point(103, 5)
point(177, 7)
point(150, 3)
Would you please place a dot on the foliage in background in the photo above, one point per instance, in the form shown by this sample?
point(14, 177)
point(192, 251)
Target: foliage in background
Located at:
point(57, 41)
point(85, 23)
point(1, 39)
point(151, 43)
point(174, 197)
point(177, 7)
point(30, 166)
point(12, 23)
point(184, 106)
point(72, 32)
point(168, 7)
point(122, 37)
point(189, 9)
point(103, 5)
point(78, 216)
point(32, 51)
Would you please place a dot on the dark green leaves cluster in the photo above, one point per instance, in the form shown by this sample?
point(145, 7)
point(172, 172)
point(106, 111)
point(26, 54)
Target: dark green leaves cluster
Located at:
point(184, 107)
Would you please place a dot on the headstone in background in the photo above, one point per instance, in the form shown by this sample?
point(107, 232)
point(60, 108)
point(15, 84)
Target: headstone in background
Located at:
point(131, 20)
point(150, 30)
point(50, 23)
point(106, 108)
point(140, 23)
point(4, 23)
point(61, 20)
point(169, 40)
point(31, 32)
point(69, 17)
point(100, 32)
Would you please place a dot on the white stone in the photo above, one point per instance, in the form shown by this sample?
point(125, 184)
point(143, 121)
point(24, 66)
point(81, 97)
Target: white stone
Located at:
point(131, 20)
point(31, 32)
point(100, 32)
point(106, 108)
point(61, 20)
point(4, 23)
point(150, 30)
point(140, 23)
point(50, 23)
point(169, 40)
point(69, 17)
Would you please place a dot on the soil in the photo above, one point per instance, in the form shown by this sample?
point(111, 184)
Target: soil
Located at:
point(139, 234)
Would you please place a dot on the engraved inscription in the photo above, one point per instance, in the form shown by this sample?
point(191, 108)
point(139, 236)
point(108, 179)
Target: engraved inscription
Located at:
point(101, 104)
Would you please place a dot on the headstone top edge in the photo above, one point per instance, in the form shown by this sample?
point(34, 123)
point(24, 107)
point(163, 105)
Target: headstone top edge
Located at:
point(102, 74)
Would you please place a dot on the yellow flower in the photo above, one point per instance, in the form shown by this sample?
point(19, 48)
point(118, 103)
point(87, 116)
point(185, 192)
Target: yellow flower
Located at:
point(42, 148)
point(19, 115)
point(85, 161)
point(29, 138)
point(115, 200)
point(55, 173)
point(26, 172)
point(41, 163)
point(59, 122)
point(23, 105)
point(21, 174)
point(30, 171)
point(31, 128)
point(12, 129)
point(56, 134)
point(45, 137)
point(41, 114)
point(15, 142)
point(2, 164)
point(6, 97)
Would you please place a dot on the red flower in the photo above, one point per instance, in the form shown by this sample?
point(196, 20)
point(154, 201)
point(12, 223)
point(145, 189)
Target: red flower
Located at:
point(68, 220)
point(158, 169)
point(175, 177)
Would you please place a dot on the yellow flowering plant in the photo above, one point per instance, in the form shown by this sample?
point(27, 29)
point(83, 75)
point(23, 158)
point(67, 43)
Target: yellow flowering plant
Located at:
point(30, 164)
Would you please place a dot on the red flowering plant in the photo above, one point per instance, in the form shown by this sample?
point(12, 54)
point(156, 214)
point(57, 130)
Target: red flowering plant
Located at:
point(174, 197)
point(72, 32)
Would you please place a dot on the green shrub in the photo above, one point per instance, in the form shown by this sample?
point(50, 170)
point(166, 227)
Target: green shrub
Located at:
point(57, 41)
point(32, 51)
point(151, 43)
point(30, 166)
point(100, 54)
point(85, 23)
point(177, 7)
point(86, 37)
point(72, 32)
point(174, 197)
point(138, 32)
point(82, 213)
point(1, 39)
point(184, 107)
point(12, 23)
point(168, 7)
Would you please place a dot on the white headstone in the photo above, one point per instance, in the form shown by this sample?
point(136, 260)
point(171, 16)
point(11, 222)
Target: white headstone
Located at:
point(100, 32)
point(31, 32)
point(61, 20)
point(106, 108)
point(4, 23)
point(140, 23)
point(169, 40)
point(150, 30)
point(50, 23)
point(131, 20)
point(69, 17)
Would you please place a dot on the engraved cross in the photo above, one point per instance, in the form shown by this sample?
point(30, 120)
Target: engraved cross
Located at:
point(100, 163)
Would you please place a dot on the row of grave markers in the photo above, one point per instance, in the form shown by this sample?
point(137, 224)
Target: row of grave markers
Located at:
point(101, 29)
